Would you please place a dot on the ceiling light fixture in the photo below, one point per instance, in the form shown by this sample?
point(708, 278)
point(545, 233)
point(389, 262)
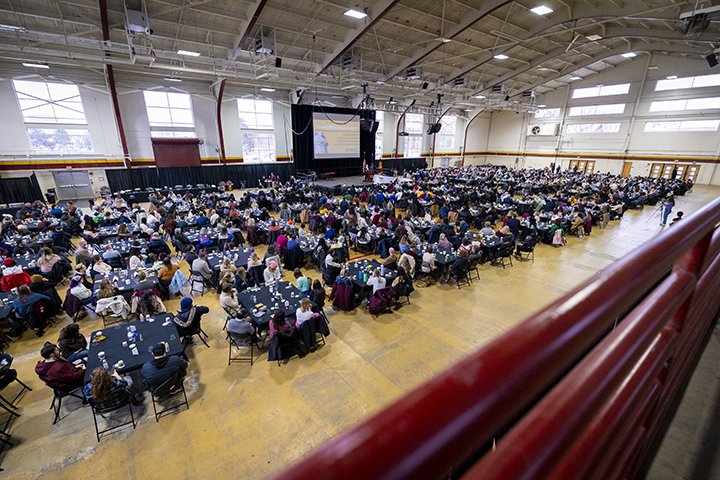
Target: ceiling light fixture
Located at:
point(629, 54)
point(653, 67)
point(541, 10)
point(35, 65)
point(594, 37)
point(541, 106)
point(13, 28)
point(188, 53)
point(443, 40)
point(267, 89)
point(501, 56)
point(572, 79)
point(355, 14)
point(173, 79)
point(672, 77)
point(479, 96)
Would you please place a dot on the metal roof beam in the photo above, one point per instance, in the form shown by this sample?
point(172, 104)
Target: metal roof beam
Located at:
point(252, 13)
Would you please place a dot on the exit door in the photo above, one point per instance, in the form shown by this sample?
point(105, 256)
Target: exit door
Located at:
point(627, 168)
point(73, 185)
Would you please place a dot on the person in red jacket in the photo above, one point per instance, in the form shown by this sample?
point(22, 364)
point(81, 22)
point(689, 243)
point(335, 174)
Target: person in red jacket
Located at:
point(58, 373)
point(13, 275)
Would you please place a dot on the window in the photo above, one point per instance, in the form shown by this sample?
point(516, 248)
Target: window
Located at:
point(445, 141)
point(379, 118)
point(42, 102)
point(257, 130)
point(163, 134)
point(681, 105)
point(601, 91)
point(594, 128)
point(688, 82)
point(547, 113)
point(612, 109)
point(169, 112)
point(414, 123)
point(683, 126)
point(54, 115)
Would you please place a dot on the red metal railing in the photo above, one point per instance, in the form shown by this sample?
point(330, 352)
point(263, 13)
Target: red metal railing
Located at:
point(582, 389)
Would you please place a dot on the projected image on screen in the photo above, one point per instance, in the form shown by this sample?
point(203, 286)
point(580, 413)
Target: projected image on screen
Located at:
point(336, 135)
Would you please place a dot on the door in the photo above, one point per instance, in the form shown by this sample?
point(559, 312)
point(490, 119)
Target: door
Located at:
point(692, 173)
point(73, 185)
point(589, 166)
point(627, 168)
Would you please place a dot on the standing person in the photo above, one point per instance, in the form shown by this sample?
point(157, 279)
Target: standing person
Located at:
point(667, 207)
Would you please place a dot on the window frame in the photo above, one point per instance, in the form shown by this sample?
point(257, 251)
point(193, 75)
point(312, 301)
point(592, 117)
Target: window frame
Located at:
point(601, 91)
point(183, 128)
point(265, 145)
point(570, 126)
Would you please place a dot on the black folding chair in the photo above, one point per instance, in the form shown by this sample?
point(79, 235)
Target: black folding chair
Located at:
point(240, 342)
point(58, 396)
point(170, 389)
point(460, 276)
point(117, 401)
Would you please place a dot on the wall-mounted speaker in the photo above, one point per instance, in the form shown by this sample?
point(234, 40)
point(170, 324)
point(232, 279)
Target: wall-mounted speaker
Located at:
point(278, 62)
point(425, 85)
point(712, 60)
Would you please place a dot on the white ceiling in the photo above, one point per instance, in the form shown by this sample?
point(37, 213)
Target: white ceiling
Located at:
point(311, 35)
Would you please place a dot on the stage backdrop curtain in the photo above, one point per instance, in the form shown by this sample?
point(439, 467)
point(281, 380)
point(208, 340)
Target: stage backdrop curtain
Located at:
point(20, 190)
point(130, 179)
point(401, 164)
point(303, 144)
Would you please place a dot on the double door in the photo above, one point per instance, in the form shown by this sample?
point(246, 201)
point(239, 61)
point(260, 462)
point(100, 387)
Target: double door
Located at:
point(675, 170)
point(73, 185)
point(582, 166)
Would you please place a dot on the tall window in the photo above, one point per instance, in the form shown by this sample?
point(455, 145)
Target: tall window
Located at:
point(688, 82)
point(54, 117)
point(445, 141)
point(547, 113)
point(170, 114)
point(414, 127)
point(380, 119)
point(593, 128)
point(689, 104)
point(683, 126)
point(257, 131)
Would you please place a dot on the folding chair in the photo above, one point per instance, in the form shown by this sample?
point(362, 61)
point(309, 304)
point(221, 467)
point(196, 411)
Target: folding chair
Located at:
point(238, 342)
point(505, 253)
point(195, 279)
point(11, 403)
point(529, 252)
point(108, 406)
point(58, 395)
point(460, 276)
point(170, 388)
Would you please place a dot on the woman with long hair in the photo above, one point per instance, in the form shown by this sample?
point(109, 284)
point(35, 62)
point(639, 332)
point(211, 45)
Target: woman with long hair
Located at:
point(106, 386)
point(72, 343)
point(47, 260)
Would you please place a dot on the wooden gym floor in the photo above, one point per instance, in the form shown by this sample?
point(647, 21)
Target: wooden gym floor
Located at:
point(250, 422)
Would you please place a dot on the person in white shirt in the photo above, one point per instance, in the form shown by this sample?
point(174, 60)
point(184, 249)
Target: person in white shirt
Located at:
point(376, 281)
point(200, 265)
point(304, 312)
point(272, 273)
point(428, 261)
point(136, 260)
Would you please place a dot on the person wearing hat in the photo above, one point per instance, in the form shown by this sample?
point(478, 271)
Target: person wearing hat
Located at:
point(272, 273)
point(13, 275)
point(187, 320)
point(162, 368)
point(58, 373)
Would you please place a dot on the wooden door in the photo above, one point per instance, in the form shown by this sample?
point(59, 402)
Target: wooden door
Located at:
point(692, 173)
point(655, 170)
point(627, 168)
point(590, 166)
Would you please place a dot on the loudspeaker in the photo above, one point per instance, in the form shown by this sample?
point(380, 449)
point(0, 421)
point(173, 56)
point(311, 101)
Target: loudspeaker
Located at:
point(425, 85)
point(369, 125)
point(712, 60)
point(278, 62)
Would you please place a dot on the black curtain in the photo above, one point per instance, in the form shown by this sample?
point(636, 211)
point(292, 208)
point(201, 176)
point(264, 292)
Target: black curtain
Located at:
point(243, 174)
point(20, 190)
point(130, 179)
point(303, 151)
point(401, 164)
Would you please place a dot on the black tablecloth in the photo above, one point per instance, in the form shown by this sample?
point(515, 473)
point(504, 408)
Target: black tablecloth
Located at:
point(126, 278)
point(368, 266)
point(252, 297)
point(6, 304)
point(153, 332)
point(239, 257)
point(144, 195)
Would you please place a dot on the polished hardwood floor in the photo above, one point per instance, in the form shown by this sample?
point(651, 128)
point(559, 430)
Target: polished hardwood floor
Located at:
point(249, 422)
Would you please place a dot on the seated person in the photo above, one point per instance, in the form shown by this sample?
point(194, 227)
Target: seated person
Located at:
point(47, 260)
point(201, 266)
point(229, 301)
point(136, 259)
point(461, 264)
point(444, 242)
point(402, 284)
point(487, 229)
point(80, 291)
point(106, 387)
point(376, 281)
point(526, 245)
point(83, 255)
point(99, 266)
point(187, 320)
point(72, 343)
point(58, 373)
point(318, 295)
point(272, 273)
point(227, 266)
point(240, 326)
point(303, 282)
point(143, 284)
point(24, 305)
point(112, 256)
point(429, 262)
point(162, 368)
point(167, 272)
point(391, 260)
point(157, 245)
point(304, 312)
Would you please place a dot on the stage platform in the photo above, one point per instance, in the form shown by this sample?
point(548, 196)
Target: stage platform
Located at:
point(339, 182)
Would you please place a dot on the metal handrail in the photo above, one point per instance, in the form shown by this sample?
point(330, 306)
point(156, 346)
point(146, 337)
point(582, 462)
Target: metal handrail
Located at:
point(520, 388)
